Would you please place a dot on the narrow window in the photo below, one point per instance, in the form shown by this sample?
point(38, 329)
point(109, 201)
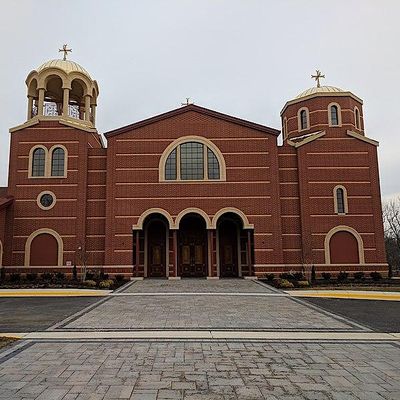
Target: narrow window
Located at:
point(38, 162)
point(334, 116)
point(213, 165)
point(357, 117)
point(170, 166)
point(58, 162)
point(340, 201)
point(303, 119)
point(192, 161)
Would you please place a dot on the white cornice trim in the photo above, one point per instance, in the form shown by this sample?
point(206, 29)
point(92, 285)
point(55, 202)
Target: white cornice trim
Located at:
point(308, 139)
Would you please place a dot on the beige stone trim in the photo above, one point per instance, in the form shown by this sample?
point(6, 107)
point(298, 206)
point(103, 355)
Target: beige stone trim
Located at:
point(299, 128)
point(335, 204)
point(239, 213)
point(191, 138)
point(346, 229)
point(37, 233)
point(30, 165)
point(165, 213)
point(363, 138)
point(339, 112)
point(41, 194)
point(193, 210)
point(50, 160)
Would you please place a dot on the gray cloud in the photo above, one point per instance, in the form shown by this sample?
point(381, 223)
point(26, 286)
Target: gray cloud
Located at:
point(245, 58)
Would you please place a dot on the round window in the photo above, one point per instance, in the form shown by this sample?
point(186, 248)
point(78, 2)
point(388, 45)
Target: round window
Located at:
point(46, 200)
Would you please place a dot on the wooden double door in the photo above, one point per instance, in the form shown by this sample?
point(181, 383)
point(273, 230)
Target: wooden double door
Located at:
point(192, 248)
point(228, 249)
point(156, 249)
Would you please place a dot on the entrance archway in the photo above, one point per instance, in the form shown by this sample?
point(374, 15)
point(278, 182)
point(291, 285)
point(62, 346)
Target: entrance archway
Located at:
point(156, 246)
point(192, 247)
point(343, 248)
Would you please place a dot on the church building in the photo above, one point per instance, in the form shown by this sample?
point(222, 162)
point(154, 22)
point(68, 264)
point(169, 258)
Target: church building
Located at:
point(191, 192)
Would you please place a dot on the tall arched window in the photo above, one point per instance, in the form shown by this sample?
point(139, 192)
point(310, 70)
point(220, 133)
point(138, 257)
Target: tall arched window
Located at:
point(357, 118)
point(38, 162)
point(58, 162)
point(340, 200)
point(334, 116)
point(192, 160)
point(303, 119)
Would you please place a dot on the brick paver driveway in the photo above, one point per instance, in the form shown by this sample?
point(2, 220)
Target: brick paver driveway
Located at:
point(196, 369)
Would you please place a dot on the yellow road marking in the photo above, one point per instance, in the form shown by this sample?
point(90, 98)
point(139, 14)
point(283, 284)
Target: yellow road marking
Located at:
point(50, 293)
point(365, 296)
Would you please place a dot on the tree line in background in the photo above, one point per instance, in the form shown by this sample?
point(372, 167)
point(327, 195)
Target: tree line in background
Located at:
point(391, 221)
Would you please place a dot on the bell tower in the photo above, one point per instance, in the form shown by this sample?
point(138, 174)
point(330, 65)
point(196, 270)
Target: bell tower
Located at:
point(62, 90)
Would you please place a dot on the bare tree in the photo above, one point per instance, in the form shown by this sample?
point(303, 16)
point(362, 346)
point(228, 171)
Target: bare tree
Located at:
point(391, 221)
point(82, 258)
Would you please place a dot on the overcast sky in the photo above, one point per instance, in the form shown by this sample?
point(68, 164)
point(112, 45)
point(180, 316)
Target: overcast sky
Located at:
point(245, 58)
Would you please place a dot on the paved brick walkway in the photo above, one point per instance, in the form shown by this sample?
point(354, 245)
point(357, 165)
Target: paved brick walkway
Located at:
point(197, 371)
point(283, 369)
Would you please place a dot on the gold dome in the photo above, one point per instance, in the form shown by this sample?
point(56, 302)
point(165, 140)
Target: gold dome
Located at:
point(65, 65)
point(321, 89)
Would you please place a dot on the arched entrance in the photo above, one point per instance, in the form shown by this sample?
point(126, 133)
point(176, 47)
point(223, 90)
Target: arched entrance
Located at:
point(156, 246)
point(44, 250)
point(192, 247)
point(343, 248)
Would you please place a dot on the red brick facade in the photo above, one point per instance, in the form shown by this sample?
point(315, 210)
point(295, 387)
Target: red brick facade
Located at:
point(281, 197)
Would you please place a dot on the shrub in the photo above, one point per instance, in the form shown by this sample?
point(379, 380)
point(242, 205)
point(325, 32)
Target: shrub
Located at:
point(326, 276)
point(376, 276)
point(103, 276)
point(15, 277)
point(90, 275)
point(303, 284)
point(358, 276)
point(106, 284)
point(285, 284)
point(287, 277)
point(32, 277)
point(90, 283)
point(270, 277)
point(298, 276)
point(47, 277)
point(119, 278)
point(342, 276)
point(60, 277)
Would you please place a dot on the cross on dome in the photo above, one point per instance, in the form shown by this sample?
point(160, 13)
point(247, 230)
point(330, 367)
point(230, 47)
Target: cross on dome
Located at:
point(188, 102)
point(65, 50)
point(318, 77)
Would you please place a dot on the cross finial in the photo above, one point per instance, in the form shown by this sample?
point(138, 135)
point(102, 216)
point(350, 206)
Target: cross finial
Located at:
point(65, 50)
point(318, 77)
point(188, 102)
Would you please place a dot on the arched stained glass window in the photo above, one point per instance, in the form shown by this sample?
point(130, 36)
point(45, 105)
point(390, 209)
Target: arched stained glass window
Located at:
point(58, 162)
point(170, 166)
point(38, 162)
point(190, 161)
point(334, 116)
point(213, 165)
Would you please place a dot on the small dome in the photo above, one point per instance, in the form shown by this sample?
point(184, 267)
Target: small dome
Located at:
point(321, 89)
point(65, 65)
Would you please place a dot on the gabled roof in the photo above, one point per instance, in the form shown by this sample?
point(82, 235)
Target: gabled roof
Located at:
point(198, 109)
